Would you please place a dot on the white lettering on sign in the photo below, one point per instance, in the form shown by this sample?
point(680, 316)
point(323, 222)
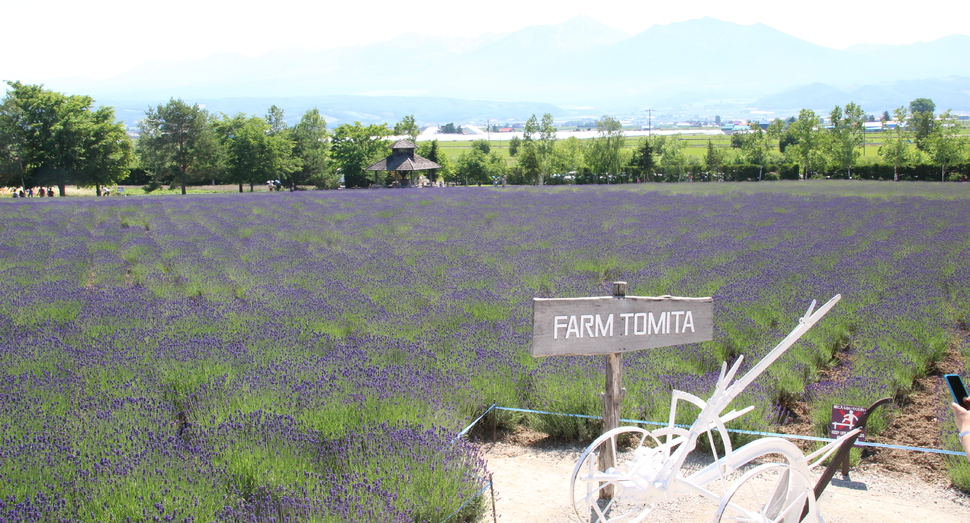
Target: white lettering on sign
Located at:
point(588, 325)
point(604, 325)
point(643, 324)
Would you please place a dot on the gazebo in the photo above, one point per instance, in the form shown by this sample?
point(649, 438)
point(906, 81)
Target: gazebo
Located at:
point(403, 162)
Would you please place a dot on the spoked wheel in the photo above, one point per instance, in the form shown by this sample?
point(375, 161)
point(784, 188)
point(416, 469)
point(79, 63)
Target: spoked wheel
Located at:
point(605, 492)
point(768, 493)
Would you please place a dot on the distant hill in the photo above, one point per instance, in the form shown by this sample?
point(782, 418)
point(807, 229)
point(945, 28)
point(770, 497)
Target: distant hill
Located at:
point(700, 65)
point(947, 93)
point(339, 109)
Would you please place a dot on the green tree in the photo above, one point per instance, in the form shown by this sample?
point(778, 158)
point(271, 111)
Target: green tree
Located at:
point(545, 145)
point(11, 174)
point(354, 147)
point(48, 138)
point(529, 154)
point(713, 158)
point(531, 128)
point(530, 162)
point(254, 153)
point(946, 146)
point(179, 142)
point(672, 158)
point(603, 154)
point(479, 166)
point(311, 146)
point(482, 145)
point(775, 131)
point(535, 149)
point(108, 151)
point(738, 139)
point(642, 162)
point(895, 149)
point(567, 159)
point(276, 119)
point(547, 136)
point(756, 147)
point(431, 151)
point(805, 140)
point(922, 121)
point(514, 144)
point(407, 127)
point(845, 136)
point(922, 105)
point(446, 172)
point(451, 128)
point(227, 129)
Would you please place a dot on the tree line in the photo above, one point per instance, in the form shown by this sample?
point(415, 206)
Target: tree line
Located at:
point(51, 139)
point(48, 139)
point(913, 137)
point(181, 144)
point(540, 158)
point(915, 141)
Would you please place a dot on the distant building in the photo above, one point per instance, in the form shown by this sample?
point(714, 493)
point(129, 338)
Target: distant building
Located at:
point(403, 162)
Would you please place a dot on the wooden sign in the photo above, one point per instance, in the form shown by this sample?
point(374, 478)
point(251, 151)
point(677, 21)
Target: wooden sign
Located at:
point(617, 324)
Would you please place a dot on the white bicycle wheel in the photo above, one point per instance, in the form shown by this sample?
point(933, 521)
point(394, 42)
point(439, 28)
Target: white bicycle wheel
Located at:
point(608, 494)
point(768, 493)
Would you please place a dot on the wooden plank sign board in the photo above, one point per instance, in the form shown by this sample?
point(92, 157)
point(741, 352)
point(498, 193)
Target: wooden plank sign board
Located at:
point(608, 324)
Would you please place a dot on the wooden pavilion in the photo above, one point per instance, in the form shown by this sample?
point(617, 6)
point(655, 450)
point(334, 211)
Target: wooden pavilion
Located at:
point(403, 162)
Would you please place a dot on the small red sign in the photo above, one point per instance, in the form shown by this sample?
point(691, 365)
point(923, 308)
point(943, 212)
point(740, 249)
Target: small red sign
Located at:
point(844, 419)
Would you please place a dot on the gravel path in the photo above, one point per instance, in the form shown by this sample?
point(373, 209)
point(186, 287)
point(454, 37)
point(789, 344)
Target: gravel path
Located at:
point(532, 483)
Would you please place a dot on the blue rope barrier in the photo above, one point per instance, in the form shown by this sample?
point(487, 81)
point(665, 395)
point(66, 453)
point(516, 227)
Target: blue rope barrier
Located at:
point(472, 424)
point(751, 432)
point(459, 435)
point(467, 501)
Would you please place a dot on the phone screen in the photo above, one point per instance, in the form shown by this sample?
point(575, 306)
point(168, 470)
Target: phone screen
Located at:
point(958, 389)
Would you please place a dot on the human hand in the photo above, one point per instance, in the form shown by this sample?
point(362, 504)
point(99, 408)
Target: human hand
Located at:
point(961, 416)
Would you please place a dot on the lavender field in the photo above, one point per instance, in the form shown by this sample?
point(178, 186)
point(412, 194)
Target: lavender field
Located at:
point(311, 356)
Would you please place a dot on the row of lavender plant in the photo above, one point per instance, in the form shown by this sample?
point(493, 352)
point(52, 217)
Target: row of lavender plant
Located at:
point(306, 356)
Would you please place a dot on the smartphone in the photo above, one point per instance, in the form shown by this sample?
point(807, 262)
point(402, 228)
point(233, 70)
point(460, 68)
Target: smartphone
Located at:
point(958, 389)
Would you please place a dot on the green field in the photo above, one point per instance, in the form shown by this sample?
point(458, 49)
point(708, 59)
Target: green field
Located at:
point(312, 356)
point(696, 145)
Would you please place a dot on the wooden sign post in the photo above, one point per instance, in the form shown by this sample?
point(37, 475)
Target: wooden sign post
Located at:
point(614, 325)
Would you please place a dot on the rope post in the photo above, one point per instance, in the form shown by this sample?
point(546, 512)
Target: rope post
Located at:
point(612, 398)
point(494, 420)
point(491, 486)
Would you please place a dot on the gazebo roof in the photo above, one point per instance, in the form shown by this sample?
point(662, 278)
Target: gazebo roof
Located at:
point(403, 144)
point(403, 158)
point(403, 162)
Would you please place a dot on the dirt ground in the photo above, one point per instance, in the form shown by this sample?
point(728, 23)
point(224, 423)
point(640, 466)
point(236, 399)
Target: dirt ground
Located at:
point(532, 485)
point(531, 472)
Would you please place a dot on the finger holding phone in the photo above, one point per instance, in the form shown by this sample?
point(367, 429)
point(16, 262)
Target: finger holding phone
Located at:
point(961, 414)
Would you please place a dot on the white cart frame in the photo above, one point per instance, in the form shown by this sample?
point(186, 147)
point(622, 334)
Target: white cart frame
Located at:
point(777, 490)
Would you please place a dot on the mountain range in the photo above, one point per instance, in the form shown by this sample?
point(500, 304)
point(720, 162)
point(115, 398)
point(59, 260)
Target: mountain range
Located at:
point(578, 67)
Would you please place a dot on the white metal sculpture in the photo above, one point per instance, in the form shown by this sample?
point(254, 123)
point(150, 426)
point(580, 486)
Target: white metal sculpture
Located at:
point(649, 468)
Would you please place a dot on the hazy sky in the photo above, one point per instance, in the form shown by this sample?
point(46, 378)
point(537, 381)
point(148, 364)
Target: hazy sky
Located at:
point(45, 40)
